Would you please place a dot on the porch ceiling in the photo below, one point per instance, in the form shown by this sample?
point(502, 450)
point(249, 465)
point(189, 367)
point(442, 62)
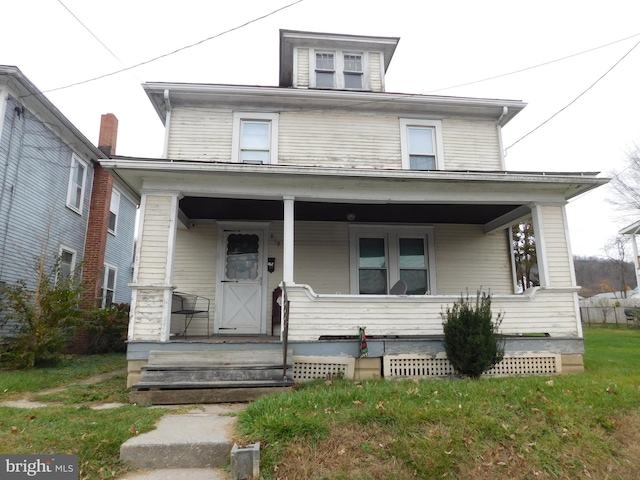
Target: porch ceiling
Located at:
point(242, 209)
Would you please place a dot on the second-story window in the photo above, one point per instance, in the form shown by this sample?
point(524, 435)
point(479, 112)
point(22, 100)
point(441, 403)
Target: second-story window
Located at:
point(255, 137)
point(114, 207)
point(77, 181)
point(421, 144)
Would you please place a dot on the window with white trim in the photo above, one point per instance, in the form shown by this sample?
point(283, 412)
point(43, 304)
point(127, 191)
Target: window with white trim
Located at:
point(338, 70)
point(381, 256)
point(421, 144)
point(67, 261)
point(77, 182)
point(114, 208)
point(255, 138)
point(108, 285)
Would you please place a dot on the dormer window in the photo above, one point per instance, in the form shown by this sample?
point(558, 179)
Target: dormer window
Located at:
point(339, 70)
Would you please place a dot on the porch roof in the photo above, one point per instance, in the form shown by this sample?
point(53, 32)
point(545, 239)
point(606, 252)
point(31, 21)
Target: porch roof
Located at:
point(217, 190)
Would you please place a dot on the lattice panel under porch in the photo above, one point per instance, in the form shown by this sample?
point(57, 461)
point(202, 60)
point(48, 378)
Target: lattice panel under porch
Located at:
point(423, 366)
point(309, 368)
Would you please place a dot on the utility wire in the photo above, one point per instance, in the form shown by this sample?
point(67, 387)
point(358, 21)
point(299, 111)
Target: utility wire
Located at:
point(175, 51)
point(575, 99)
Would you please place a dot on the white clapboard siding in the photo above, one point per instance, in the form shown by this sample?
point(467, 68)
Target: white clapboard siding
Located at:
point(201, 134)
point(195, 269)
point(375, 72)
point(469, 259)
point(470, 145)
point(322, 256)
point(148, 315)
point(154, 246)
point(314, 315)
point(558, 257)
point(339, 140)
point(302, 68)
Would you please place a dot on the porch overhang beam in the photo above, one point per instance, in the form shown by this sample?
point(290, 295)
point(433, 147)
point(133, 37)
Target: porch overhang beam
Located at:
point(508, 219)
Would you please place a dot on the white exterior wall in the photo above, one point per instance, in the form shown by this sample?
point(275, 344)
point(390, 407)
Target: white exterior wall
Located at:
point(375, 72)
point(469, 259)
point(470, 145)
point(301, 75)
point(560, 268)
point(201, 134)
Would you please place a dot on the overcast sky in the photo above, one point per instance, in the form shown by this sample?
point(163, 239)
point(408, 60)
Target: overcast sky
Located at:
point(443, 44)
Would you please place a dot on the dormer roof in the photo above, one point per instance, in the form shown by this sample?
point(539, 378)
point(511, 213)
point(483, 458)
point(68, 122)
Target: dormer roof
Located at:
point(291, 39)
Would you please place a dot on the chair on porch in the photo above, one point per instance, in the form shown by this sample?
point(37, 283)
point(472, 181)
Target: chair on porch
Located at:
point(190, 306)
point(399, 288)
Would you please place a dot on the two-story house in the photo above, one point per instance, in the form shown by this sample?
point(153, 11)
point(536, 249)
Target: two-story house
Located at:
point(373, 209)
point(56, 200)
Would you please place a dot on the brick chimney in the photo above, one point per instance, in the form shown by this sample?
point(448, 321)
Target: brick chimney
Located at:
point(97, 230)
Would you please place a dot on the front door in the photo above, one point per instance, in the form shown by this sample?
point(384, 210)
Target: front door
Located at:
point(241, 283)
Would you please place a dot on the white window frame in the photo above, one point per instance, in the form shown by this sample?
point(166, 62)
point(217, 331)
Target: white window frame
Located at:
point(75, 160)
point(436, 125)
point(391, 234)
point(74, 256)
point(338, 65)
point(105, 285)
point(114, 208)
point(272, 118)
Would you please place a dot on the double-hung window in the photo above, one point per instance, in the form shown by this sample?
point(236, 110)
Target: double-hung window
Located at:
point(77, 182)
point(67, 262)
point(108, 285)
point(255, 138)
point(338, 70)
point(421, 144)
point(381, 256)
point(113, 211)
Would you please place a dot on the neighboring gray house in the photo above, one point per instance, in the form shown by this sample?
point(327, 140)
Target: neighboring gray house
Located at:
point(56, 200)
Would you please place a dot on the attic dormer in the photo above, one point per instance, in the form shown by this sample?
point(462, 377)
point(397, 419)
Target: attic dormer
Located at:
point(334, 61)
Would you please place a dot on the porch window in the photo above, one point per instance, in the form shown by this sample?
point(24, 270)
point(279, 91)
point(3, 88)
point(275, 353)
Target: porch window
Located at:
point(381, 257)
point(255, 138)
point(421, 144)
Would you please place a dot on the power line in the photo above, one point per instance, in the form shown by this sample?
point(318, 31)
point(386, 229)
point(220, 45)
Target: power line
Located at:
point(575, 99)
point(175, 51)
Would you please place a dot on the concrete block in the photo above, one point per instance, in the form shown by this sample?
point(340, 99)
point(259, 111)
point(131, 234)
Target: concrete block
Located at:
point(245, 462)
point(572, 363)
point(368, 368)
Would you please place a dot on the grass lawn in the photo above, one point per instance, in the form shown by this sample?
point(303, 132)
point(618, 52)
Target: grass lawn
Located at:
point(73, 427)
point(538, 427)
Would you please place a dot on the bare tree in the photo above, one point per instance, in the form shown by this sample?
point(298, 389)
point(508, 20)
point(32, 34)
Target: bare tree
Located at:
point(617, 251)
point(625, 184)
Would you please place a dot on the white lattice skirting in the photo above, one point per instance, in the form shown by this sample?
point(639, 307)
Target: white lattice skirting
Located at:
point(424, 366)
point(308, 368)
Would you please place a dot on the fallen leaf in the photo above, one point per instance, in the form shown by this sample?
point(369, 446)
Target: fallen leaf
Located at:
point(14, 430)
point(449, 452)
point(380, 406)
point(341, 451)
point(357, 403)
point(328, 383)
point(134, 430)
point(550, 383)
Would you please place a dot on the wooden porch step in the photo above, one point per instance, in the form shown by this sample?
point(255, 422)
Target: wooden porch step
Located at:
point(203, 395)
point(184, 385)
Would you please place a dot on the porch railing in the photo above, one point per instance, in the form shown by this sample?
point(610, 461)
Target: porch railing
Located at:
point(285, 330)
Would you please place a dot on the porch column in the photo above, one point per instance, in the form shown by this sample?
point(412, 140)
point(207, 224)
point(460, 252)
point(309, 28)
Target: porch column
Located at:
point(287, 262)
point(152, 288)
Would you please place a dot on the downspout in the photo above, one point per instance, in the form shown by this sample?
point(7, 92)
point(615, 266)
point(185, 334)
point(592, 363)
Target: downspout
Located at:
point(167, 123)
point(503, 154)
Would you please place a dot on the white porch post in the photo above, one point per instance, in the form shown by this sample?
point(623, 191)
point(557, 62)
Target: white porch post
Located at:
point(287, 262)
point(152, 287)
point(541, 250)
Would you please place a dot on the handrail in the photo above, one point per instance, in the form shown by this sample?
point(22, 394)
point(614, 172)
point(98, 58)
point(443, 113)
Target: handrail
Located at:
point(285, 330)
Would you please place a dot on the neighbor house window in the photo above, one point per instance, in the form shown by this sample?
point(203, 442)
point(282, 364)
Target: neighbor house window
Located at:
point(67, 261)
point(113, 211)
point(77, 181)
point(108, 285)
point(421, 144)
point(255, 138)
point(338, 70)
point(381, 256)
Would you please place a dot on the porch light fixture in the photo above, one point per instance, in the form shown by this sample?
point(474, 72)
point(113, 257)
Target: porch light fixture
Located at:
point(351, 217)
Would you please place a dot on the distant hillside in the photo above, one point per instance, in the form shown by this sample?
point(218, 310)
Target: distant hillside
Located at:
point(598, 275)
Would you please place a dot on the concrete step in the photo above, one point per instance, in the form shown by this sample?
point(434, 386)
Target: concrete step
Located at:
point(198, 439)
point(179, 474)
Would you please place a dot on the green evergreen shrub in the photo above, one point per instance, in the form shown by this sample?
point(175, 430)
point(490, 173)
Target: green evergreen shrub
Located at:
point(471, 339)
point(107, 328)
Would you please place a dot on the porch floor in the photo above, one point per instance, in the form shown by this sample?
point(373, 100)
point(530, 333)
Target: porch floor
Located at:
point(226, 339)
